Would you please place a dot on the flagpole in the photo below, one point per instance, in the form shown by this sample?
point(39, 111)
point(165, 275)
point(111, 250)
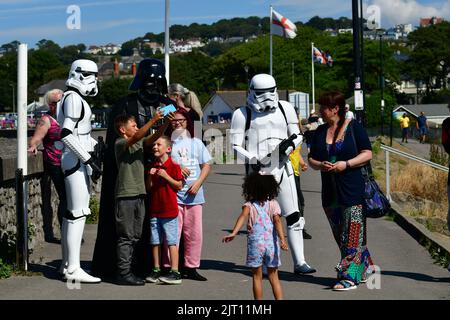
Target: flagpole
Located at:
point(167, 43)
point(312, 68)
point(270, 37)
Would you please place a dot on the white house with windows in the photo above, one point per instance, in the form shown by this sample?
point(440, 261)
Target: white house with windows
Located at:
point(111, 48)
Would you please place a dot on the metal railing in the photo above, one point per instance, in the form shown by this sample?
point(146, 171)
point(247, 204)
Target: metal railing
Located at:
point(389, 150)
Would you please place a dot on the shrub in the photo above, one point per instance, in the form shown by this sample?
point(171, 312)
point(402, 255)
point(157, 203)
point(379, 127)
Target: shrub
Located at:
point(438, 154)
point(94, 205)
point(376, 145)
point(5, 270)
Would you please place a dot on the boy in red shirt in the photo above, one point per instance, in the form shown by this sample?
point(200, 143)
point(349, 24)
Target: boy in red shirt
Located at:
point(165, 179)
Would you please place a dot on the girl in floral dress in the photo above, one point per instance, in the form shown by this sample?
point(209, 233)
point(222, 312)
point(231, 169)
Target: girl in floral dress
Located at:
point(263, 215)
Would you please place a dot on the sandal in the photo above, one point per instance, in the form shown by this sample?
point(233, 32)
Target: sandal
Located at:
point(344, 285)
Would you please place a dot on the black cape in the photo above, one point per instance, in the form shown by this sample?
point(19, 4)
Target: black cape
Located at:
point(104, 261)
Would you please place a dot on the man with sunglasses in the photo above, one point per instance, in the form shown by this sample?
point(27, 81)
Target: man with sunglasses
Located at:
point(269, 128)
point(78, 164)
point(149, 88)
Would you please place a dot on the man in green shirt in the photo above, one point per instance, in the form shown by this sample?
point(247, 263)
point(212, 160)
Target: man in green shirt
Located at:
point(130, 189)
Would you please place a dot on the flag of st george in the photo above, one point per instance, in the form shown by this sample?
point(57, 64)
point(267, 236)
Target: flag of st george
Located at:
point(322, 57)
point(282, 26)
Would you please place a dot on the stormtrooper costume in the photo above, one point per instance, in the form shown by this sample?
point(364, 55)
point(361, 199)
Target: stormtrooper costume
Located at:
point(74, 117)
point(269, 128)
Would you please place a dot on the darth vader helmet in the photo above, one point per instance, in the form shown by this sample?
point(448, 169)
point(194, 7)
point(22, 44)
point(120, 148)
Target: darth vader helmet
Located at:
point(150, 80)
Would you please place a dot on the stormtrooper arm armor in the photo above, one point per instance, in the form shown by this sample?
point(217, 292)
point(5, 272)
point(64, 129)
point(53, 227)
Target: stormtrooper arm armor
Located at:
point(293, 128)
point(74, 145)
point(72, 112)
point(237, 132)
point(293, 125)
point(243, 154)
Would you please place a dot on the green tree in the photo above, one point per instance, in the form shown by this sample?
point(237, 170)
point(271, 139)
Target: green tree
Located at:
point(8, 74)
point(192, 70)
point(128, 46)
point(10, 47)
point(49, 45)
point(430, 55)
point(40, 62)
point(110, 91)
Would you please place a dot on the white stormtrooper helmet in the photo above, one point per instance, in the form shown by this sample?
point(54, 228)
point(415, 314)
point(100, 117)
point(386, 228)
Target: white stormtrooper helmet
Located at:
point(262, 94)
point(83, 76)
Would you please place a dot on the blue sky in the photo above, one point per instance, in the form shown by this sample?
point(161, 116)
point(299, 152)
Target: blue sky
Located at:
point(104, 21)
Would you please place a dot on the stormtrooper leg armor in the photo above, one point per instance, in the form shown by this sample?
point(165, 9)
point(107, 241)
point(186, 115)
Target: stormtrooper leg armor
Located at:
point(287, 199)
point(77, 189)
point(260, 131)
point(74, 116)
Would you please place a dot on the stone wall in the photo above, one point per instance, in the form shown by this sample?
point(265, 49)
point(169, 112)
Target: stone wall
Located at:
point(34, 204)
point(35, 212)
point(8, 166)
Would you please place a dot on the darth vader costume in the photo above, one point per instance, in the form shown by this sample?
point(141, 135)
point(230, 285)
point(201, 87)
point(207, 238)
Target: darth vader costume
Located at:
point(149, 86)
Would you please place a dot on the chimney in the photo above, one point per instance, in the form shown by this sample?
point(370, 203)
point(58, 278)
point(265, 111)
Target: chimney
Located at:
point(133, 69)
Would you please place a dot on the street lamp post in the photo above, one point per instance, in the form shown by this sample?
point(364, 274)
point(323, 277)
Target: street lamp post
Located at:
point(357, 62)
point(382, 85)
point(219, 81)
point(444, 74)
point(246, 78)
point(246, 73)
point(13, 98)
point(293, 79)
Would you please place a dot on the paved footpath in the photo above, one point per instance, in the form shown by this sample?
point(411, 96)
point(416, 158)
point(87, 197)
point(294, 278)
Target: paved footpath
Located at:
point(407, 270)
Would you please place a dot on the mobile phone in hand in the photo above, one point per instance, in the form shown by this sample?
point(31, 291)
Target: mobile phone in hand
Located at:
point(168, 109)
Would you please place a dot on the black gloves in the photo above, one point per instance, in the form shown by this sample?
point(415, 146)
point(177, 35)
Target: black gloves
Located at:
point(256, 167)
point(285, 144)
point(94, 164)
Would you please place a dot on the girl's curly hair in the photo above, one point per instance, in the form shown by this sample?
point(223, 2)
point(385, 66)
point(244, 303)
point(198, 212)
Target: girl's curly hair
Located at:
point(258, 187)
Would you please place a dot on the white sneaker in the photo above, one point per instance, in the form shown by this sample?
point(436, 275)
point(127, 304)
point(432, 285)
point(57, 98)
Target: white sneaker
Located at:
point(79, 275)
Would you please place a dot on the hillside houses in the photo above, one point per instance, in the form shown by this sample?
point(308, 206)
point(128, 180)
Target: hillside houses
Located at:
point(108, 49)
point(154, 46)
point(177, 45)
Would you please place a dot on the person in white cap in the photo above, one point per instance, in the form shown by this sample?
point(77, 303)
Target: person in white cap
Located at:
point(348, 113)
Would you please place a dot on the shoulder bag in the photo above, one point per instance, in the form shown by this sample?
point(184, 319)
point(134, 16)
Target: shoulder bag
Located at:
point(376, 203)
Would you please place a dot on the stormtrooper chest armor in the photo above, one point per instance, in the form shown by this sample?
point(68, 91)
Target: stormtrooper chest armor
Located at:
point(82, 130)
point(265, 132)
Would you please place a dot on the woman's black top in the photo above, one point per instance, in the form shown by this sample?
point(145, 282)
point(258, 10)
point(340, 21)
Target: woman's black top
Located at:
point(348, 184)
